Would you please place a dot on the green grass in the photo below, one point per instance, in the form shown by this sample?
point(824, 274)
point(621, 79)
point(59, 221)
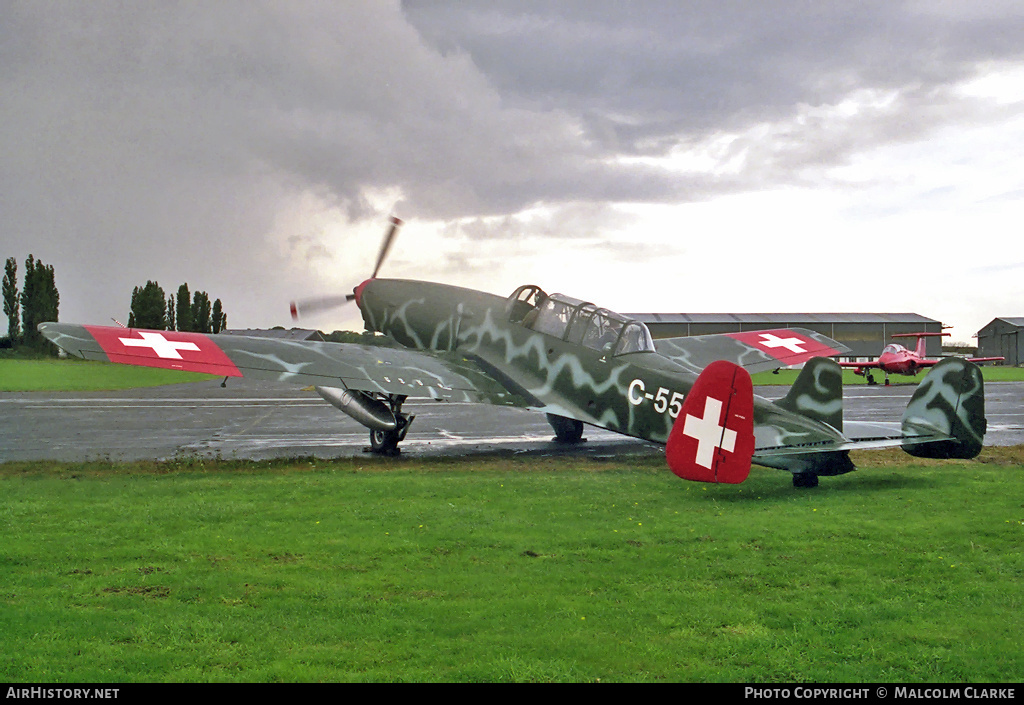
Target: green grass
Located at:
point(48, 375)
point(989, 373)
point(510, 570)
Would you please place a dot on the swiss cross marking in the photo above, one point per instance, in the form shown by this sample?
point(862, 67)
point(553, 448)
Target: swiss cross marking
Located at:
point(770, 340)
point(710, 434)
point(161, 346)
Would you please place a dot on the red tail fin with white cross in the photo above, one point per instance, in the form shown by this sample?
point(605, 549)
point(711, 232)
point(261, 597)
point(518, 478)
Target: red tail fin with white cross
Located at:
point(713, 437)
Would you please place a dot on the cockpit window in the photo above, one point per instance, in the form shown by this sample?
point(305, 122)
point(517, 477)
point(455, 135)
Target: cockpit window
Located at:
point(524, 301)
point(553, 316)
point(603, 331)
point(580, 322)
point(636, 337)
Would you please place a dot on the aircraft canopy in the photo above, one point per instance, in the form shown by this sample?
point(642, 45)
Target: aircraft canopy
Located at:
point(579, 322)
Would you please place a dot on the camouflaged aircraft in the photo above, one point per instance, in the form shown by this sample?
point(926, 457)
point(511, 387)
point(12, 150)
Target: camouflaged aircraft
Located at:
point(579, 364)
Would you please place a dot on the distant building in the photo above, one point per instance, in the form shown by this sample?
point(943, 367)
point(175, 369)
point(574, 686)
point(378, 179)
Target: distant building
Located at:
point(276, 333)
point(1003, 337)
point(864, 333)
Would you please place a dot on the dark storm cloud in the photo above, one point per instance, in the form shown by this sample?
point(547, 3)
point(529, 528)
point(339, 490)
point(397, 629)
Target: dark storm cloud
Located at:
point(644, 74)
point(476, 108)
point(165, 139)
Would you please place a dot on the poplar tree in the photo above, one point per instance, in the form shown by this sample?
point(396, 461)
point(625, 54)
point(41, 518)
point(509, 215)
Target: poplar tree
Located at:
point(40, 302)
point(183, 308)
point(201, 313)
point(11, 300)
point(219, 319)
point(170, 313)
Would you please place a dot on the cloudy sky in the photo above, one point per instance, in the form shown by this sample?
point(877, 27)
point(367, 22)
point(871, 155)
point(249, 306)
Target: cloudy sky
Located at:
point(660, 156)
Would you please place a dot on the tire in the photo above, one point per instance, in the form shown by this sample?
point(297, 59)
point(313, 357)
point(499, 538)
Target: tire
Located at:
point(805, 479)
point(384, 442)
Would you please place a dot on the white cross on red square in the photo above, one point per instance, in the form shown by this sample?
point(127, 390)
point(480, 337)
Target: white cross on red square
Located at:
point(709, 432)
point(161, 346)
point(794, 345)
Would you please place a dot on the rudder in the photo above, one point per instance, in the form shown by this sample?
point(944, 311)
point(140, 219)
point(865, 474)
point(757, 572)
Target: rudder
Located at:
point(712, 439)
point(951, 401)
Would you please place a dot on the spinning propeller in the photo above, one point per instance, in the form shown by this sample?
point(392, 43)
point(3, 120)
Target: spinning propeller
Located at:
point(324, 303)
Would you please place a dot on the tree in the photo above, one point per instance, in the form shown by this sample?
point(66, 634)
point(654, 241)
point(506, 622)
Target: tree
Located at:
point(149, 307)
point(11, 299)
point(219, 319)
point(170, 313)
point(40, 302)
point(201, 313)
point(183, 308)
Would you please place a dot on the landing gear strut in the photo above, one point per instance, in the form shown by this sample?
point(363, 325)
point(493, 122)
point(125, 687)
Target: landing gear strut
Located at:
point(386, 442)
point(566, 430)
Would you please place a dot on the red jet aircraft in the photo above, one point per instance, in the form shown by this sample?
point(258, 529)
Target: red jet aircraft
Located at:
point(898, 360)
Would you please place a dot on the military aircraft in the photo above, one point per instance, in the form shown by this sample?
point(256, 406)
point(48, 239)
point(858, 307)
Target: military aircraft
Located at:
point(898, 360)
point(579, 364)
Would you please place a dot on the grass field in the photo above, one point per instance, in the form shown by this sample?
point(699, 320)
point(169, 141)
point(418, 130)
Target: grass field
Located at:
point(502, 570)
point(990, 373)
point(510, 570)
point(82, 375)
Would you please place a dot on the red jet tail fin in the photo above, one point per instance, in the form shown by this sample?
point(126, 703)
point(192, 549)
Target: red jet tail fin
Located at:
point(712, 440)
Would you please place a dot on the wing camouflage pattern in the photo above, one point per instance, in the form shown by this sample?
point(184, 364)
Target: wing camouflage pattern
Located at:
point(414, 373)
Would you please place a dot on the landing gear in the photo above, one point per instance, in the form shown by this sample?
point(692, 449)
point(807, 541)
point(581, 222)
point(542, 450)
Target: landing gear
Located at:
point(870, 378)
point(385, 442)
point(805, 479)
point(566, 430)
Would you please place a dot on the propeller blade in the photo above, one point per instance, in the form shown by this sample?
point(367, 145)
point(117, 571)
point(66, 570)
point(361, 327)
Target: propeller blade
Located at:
point(323, 303)
point(385, 246)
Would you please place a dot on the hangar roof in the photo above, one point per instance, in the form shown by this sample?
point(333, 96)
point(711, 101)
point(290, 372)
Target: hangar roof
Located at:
point(790, 318)
point(279, 333)
point(1018, 322)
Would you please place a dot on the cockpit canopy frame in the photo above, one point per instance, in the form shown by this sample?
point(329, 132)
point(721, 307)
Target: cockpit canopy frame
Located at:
point(578, 322)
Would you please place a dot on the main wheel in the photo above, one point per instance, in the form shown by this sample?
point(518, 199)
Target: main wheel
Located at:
point(805, 479)
point(384, 442)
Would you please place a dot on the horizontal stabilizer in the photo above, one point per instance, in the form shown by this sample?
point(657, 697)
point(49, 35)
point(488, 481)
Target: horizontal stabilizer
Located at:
point(712, 439)
point(755, 351)
point(949, 402)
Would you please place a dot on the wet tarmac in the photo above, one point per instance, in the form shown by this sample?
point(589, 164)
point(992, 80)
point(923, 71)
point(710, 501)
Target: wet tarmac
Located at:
point(257, 421)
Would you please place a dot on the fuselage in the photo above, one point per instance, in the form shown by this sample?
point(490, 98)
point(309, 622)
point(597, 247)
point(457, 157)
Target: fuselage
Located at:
point(564, 356)
point(896, 359)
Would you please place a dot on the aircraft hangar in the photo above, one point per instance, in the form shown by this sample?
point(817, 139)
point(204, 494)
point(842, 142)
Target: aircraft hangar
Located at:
point(1003, 337)
point(864, 333)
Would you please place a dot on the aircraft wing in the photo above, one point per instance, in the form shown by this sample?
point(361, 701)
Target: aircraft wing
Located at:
point(860, 365)
point(932, 362)
point(362, 367)
point(755, 351)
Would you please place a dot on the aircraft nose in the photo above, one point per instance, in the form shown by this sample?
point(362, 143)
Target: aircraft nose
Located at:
point(358, 292)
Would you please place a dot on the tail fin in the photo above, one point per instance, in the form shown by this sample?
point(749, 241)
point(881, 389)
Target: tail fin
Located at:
point(949, 401)
point(712, 439)
point(921, 340)
point(817, 392)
